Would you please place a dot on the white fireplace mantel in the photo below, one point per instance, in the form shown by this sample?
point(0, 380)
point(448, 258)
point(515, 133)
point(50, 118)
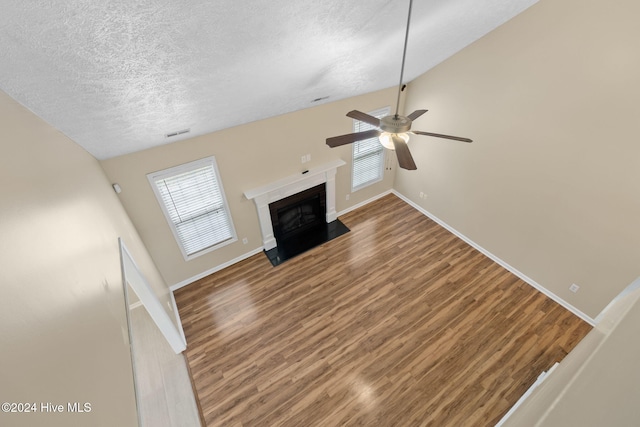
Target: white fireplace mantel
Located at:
point(290, 185)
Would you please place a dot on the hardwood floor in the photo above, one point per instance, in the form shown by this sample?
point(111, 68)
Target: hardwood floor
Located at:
point(397, 323)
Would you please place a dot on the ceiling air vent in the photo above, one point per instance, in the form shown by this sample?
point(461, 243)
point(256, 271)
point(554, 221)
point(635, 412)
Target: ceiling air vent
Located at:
point(322, 98)
point(180, 132)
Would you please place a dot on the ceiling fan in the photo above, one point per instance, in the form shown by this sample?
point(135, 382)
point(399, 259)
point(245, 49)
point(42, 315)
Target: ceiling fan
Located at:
point(393, 131)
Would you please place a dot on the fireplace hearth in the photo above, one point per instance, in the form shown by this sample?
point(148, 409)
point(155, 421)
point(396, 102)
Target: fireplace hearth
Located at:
point(301, 218)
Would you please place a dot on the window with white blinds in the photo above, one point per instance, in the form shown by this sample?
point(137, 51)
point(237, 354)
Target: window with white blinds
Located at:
point(193, 201)
point(368, 155)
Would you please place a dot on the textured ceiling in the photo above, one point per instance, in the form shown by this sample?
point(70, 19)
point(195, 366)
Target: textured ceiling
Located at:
point(117, 75)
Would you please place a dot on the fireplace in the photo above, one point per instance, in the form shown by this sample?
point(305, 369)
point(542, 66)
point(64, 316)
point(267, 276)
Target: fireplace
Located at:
point(304, 208)
point(298, 214)
point(299, 224)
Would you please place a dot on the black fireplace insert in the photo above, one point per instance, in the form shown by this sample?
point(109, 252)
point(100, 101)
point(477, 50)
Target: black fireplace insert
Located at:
point(299, 224)
point(298, 213)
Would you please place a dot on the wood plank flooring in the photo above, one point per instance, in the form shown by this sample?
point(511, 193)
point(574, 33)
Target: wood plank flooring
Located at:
point(397, 323)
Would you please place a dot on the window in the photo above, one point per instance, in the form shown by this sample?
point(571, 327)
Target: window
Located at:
point(368, 155)
point(193, 201)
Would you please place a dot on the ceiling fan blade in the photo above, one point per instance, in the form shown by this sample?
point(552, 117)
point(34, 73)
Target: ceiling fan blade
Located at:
point(364, 117)
point(337, 141)
point(405, 160)
point(416, 114)
point(439, 135)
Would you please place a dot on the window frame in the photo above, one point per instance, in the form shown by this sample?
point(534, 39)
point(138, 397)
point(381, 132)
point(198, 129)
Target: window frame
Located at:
point(359, 126)
point(180, 169)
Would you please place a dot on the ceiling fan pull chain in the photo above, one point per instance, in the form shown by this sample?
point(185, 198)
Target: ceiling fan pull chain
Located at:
point(404, 54)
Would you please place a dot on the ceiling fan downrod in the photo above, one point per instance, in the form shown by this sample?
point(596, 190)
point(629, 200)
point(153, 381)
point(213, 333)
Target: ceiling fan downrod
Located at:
point(404, 55)
point(393, 131)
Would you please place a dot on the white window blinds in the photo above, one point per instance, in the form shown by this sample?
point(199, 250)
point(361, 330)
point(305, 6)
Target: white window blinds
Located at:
point(368, 155)
point(194, 204)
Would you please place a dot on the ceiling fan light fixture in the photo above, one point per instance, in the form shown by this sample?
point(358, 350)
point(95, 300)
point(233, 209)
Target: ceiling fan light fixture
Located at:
point(386, 139)
point(393, 130)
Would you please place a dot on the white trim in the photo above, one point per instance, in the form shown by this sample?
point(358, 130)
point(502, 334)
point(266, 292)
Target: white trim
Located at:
point(134, 277)
point(471, 243)
point(242, 257)
point(497, 260)
point(174, 306)
point(214, 270)
point(129, 332)
point(528, 393)
point(293, 184)
point(135, 305)
point(187, 167)
point(291, 181)
point(366, 202)
point(634, 286)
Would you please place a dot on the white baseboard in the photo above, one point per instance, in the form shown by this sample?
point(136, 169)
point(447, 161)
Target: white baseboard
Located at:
point(215, 269)
point(366, 202)
point(260, 249)
point(444, 225)
point(497, 260)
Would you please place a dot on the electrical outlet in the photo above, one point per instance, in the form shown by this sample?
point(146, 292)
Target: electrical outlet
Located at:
point(308, 157)
point(245, 240)
point(574, 288)
point(421, 195)
point(303, 159)
point(348, 195)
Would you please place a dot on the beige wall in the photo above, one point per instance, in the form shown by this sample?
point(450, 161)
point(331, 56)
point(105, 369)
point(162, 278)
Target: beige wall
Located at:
point(551, 183)
point(550, 186)
point(550, 100)
point(63, 331)
point(248, 156)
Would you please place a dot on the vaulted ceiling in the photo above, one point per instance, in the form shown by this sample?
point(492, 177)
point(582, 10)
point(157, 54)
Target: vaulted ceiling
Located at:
point(116, 76)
